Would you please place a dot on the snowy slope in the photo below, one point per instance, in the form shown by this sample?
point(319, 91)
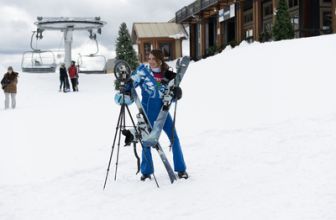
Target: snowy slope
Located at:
point(259, 141)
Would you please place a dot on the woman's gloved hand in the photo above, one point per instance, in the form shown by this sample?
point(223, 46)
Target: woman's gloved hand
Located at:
point(177, 93)
point(168, 76)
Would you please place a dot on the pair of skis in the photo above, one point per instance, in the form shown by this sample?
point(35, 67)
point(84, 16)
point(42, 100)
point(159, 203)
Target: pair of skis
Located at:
point(181, 68)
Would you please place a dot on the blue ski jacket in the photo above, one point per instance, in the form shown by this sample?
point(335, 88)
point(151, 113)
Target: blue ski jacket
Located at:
point(151, 91)
point(144, 78)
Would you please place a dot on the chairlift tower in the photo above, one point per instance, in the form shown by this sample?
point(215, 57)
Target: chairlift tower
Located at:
point(68, 25)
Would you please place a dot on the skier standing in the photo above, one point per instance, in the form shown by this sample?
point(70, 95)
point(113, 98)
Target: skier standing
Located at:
point(73, 76)
point(9, 85)
point(151, 79)
point(64, 82)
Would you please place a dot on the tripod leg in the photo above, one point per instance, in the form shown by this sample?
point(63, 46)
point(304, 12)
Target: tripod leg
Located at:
point(114, 140)
point(122, 125)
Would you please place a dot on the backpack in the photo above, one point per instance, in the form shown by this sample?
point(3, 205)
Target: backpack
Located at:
point(5, 82)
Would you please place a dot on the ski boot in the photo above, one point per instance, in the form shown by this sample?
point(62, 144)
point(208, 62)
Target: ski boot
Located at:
point(183, 175)
point(145, 176)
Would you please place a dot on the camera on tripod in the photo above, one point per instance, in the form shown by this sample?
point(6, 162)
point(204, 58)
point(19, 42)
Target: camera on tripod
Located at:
point(122, 72)
point(123, 83)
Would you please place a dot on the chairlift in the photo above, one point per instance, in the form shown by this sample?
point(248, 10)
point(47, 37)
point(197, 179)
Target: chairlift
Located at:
point(38, 61)
point(92, 63)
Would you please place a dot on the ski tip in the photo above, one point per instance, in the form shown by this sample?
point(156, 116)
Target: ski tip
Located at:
point(186, 58)
point(173, 180)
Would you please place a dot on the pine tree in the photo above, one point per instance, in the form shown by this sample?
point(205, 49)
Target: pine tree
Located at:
point(124, 47)
point(283, 28)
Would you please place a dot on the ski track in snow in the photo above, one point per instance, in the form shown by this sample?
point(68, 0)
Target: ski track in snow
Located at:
point(248, 159)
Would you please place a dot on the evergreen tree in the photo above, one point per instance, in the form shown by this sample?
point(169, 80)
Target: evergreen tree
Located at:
point(283, 28)
point(124, 47)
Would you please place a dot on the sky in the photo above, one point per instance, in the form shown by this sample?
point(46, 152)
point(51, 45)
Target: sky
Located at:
point(18, 17)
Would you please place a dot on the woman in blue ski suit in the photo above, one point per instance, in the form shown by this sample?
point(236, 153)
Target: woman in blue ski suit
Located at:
point(149, 79)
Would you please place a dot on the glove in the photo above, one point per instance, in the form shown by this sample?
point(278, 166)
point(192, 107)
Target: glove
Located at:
point(177, 93)
point(168, 76)
point(120, 99)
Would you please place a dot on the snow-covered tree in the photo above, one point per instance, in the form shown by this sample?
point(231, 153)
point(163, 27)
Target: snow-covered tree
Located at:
point(283, 28)
point(124, 47)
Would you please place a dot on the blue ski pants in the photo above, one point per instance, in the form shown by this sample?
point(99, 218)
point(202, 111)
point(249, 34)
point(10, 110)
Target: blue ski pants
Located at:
point(152, 108)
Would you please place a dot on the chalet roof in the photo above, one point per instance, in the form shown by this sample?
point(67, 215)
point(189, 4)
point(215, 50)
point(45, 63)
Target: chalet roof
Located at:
point(158, 30)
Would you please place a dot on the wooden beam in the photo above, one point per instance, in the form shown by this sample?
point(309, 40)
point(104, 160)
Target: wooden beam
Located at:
point(256, 19)
point(218, 31)
point(240, 21)
point(142, 52)
point(139, 53)
point(203, 38)
point(192, 41)
point(333, 14)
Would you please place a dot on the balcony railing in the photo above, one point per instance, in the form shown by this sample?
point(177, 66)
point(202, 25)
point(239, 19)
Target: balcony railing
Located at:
point(188, 11)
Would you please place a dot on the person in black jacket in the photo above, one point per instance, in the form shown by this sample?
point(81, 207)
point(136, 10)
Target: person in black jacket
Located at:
point(64, 79)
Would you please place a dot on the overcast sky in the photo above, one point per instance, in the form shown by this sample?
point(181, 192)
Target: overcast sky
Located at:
point(18, 16)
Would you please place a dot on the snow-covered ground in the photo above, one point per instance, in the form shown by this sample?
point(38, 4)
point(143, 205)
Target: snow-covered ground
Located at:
point(257, 125)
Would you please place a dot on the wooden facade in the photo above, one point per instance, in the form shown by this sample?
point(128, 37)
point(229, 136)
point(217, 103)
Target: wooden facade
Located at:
point(145, 45)
point(163, 36)
point(214, 24)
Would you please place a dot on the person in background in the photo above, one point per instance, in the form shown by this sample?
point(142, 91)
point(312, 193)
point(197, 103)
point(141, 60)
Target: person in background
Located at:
point(64, 82)
point(73, 76)
point(9, 85)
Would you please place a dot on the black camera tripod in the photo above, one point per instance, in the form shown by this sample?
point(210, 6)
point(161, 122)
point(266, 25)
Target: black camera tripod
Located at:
point(122, 73)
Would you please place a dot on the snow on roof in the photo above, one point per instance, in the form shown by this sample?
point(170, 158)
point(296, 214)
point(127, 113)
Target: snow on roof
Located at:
point(157, 30)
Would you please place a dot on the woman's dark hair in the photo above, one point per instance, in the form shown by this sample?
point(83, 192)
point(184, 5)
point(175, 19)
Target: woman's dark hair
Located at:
point(159, 57)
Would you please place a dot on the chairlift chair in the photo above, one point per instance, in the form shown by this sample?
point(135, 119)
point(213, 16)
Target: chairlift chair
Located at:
point(92, 63)
point(38, 61)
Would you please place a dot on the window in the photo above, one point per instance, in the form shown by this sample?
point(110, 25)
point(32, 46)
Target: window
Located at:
point(267, 27)
point(249, 35)
point(293, 3)
point(295, 22)
point(266, 35)
point(268, 9)
point(248, 4)
point(166, 50)
point(147, 50)
point(296, 25)
point(327, 21)
point(248, 17)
